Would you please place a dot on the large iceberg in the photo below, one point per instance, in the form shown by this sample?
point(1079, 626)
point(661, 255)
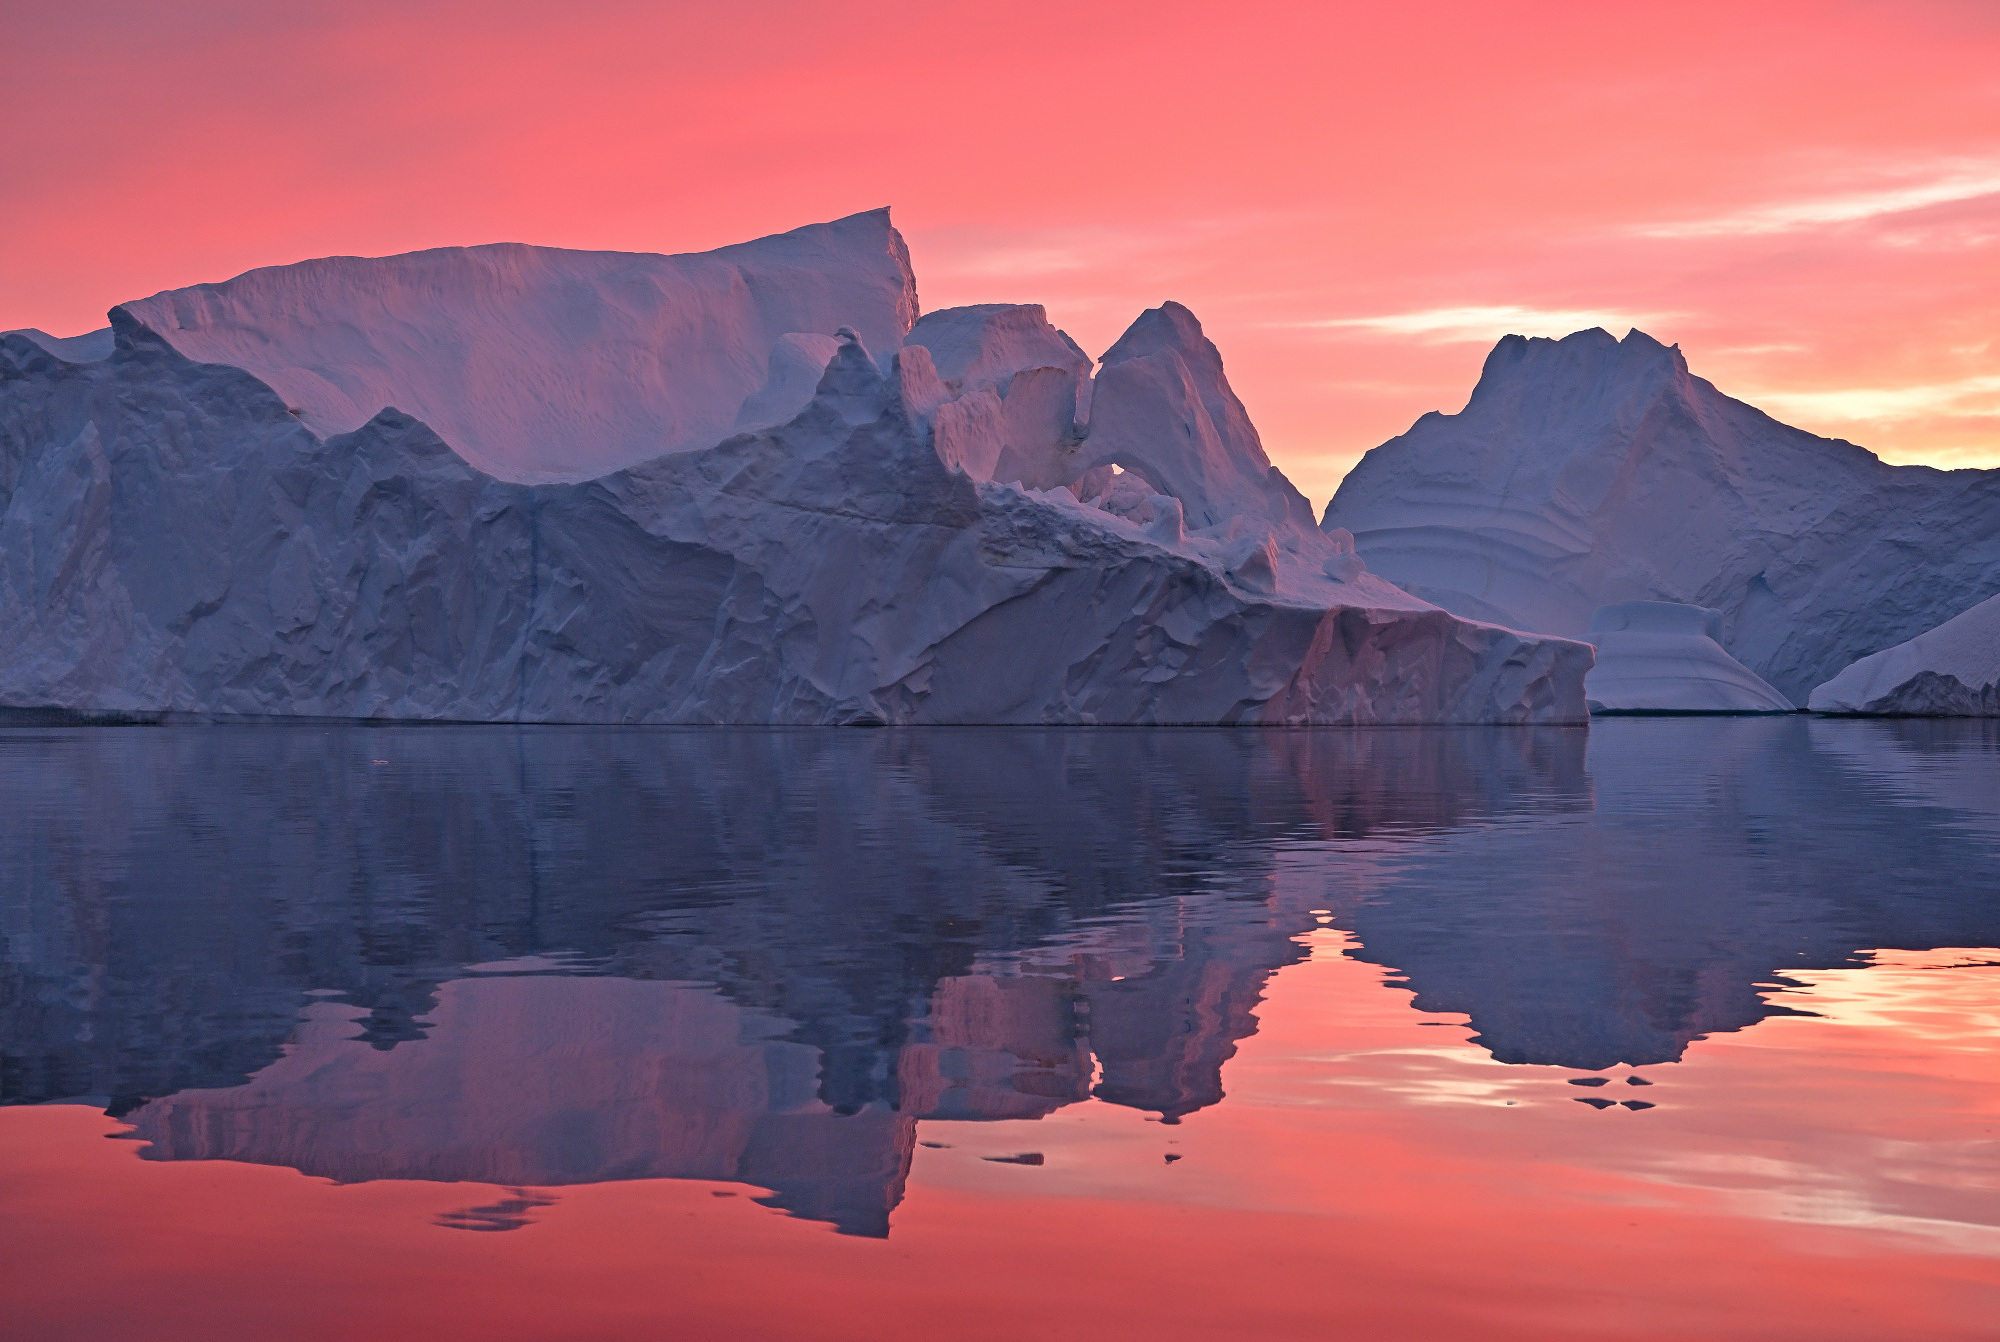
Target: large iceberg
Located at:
point(1951, 671)
point(522, 484)
point(1589, 471)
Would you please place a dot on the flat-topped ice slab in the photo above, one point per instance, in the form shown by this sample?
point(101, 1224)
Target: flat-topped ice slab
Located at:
point(1663, 657)
point(541, 363)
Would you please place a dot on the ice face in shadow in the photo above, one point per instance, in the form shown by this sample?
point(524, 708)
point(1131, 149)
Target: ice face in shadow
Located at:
point(1591, 471)
point(550, 956)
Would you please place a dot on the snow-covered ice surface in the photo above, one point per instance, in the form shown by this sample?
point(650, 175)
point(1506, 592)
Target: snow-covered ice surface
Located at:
point(1657, 657)
point(1950, 671)
point(86, 348)
point(540, 363)
point(894, 546)
point(1590, 471)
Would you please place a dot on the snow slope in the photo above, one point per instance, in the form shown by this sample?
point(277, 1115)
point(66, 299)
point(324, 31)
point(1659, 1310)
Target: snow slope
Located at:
point(85, 348)
point(1590, 471)
point(1656, 657)
point(173, 538)
point(1950, 671)
point(538, 363)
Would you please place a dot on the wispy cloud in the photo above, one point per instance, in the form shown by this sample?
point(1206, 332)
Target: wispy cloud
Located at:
point(1946, 185)
point(1967, 398)
point(1179, 244)
point(1031, 260)
point(1483, 324)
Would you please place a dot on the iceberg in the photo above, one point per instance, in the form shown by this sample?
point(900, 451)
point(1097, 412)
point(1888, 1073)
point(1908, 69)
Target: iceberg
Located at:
point(1589, 471)
point(1658, 657)
point(1952, 671)
point(753, 486)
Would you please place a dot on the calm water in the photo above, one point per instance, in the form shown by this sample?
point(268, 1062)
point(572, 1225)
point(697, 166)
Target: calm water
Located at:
point(1668, 1028)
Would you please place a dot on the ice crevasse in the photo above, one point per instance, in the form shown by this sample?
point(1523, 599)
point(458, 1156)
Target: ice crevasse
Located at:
point(755, 485)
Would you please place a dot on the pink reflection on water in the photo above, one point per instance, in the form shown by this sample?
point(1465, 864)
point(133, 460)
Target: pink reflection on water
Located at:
point(1370, 1173)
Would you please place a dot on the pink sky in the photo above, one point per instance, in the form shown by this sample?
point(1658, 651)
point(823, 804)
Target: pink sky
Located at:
point(1357, 200)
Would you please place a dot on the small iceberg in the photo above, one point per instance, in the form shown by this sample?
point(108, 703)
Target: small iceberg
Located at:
point(1663, 657)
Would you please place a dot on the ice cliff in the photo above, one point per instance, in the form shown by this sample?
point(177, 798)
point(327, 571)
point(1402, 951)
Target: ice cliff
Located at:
point(512, 483)
point(1951, 671)
point(1590, 471)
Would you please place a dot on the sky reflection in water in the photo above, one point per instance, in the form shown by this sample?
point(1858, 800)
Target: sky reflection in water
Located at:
point(982, 993)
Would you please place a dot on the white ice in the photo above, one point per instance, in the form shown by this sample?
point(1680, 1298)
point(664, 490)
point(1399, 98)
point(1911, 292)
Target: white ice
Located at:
point(539, 363)
point(1658, 657)
point(1589, 471)
point(1950, 671)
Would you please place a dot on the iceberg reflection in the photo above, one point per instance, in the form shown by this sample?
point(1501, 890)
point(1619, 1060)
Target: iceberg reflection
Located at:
point(545, 957)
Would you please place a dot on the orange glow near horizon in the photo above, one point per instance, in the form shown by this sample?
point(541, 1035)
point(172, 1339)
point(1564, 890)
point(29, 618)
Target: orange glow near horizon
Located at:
point(1357, 200)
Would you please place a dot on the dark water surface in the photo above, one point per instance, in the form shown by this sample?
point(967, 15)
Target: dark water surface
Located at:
point(1660, 1029)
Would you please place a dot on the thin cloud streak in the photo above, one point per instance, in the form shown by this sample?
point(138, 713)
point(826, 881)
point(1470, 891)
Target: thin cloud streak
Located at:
point(1468, 325)
point(1968, 398)
point(1963, 183)
point(985, 251)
